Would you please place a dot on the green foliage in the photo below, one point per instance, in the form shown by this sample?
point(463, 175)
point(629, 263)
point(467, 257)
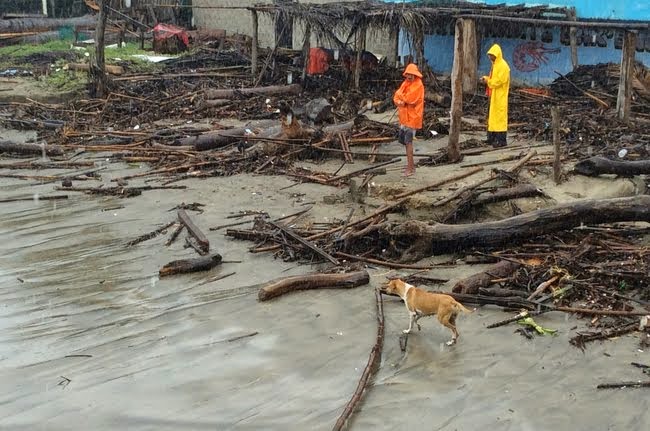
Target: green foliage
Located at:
point(8, 53)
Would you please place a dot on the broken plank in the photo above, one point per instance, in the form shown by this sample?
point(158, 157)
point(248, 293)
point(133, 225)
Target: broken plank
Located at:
point(184, 218)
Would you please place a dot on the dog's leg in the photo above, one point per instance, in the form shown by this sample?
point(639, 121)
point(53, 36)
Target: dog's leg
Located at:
point(412, 319)
point(418, 317)
point(449, 320)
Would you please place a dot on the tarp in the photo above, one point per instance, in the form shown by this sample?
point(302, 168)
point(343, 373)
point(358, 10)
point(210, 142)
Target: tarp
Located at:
point(165, 31)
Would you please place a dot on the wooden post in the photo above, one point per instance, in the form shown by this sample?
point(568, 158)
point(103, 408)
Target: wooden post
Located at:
point(141, 32)
point(453, 148)
point(254, 44)
point(361, 45)
point(121, 37)
point(97, 72)
point(573, 40)
point(470, 61)
point(624, 100)
point(393, 54)
point(418, 41)
point(557, 167)
point(306, 47)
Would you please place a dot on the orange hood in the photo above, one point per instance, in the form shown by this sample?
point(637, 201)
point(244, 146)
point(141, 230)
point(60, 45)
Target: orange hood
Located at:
point(413, 70)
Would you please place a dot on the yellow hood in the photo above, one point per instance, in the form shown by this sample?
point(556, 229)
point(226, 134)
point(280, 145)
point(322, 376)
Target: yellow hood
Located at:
point(495, 50)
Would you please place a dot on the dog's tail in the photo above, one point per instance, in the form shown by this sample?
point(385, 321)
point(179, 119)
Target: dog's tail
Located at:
point(460, 307)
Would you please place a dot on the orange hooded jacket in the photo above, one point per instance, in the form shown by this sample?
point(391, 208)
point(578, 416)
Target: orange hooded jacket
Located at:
point(409, 99)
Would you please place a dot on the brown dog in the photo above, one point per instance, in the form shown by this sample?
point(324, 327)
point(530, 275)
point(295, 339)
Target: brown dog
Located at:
point(420, 303)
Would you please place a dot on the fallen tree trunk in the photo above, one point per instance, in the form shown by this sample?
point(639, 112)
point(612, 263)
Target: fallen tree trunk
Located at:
point(221, 138)
point(23, 25)
point(236, 93)
point(190, 265)
point(439, 238)
point(36, 149)
point(473, 283)
point(595, 166)
point(312, 281)
point(264, 130)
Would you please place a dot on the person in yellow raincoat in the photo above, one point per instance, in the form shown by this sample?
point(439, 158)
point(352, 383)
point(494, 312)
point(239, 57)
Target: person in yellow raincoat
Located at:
point(409, 99)
point(498, 86)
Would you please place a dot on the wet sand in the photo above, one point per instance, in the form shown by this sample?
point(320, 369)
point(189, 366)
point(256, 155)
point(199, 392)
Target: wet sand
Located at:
point(91, 338)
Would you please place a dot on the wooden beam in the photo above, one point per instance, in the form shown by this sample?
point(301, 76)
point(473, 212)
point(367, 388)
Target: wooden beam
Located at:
point(624, 100)
point(254, 43)
point(453, 148)
point(470, 61)
point(557, 23)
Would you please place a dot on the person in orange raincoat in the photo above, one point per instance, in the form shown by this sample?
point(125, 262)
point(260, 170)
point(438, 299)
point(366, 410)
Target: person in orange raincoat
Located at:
point(409, 99)
point(498, 86)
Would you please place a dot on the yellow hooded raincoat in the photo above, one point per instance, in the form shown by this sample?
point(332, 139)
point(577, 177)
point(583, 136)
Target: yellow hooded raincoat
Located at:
point(498, 84)
point(409, 99)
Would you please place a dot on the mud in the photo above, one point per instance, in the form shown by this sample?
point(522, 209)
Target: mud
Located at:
point(92, 338)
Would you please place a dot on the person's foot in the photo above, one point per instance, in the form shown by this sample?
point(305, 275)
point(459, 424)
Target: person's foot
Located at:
point(498, 144)
point(408, 173)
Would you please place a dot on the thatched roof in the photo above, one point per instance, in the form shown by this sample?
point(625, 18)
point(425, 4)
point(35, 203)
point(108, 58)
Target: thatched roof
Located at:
point(417, 18)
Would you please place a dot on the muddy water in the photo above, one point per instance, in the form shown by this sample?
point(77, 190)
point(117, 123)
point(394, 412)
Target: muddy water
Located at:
point(92, 338)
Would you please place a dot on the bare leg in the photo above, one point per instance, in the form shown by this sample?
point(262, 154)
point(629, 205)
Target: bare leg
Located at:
point(410, 163)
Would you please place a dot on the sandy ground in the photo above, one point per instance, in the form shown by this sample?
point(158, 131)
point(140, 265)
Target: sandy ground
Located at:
point(92, 338)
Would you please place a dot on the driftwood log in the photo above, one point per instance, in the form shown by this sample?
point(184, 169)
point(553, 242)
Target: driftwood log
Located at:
point(473, 283)
point(595, 166)
point(312, 281)
point(35, 149)
point(190, 265)
point(236, 93)
point(425, 239)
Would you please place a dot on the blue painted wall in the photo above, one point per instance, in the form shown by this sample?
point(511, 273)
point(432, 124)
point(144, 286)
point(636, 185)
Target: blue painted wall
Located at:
point(531, 62)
